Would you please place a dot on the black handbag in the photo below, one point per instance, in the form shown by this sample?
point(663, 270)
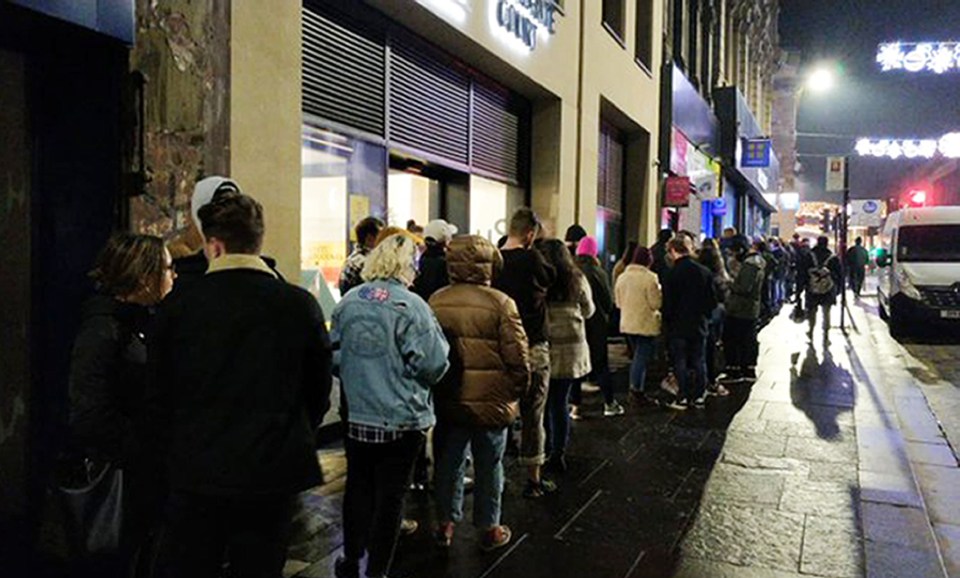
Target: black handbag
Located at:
point(91, 497)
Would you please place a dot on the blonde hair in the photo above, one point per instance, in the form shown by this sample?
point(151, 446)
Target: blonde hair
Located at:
point(391, 231)
point(394, 258)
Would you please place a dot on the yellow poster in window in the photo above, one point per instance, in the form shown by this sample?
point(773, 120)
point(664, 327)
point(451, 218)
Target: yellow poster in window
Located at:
point(359, 209)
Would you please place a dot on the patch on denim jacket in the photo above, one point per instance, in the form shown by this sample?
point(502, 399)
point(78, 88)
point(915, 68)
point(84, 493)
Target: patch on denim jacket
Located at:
point(379, 294)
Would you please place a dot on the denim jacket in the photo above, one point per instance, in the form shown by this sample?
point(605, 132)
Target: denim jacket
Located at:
point(389, 351)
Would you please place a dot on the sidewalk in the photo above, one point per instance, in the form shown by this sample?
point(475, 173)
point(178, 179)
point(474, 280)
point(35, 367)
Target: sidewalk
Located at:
point(811, 472)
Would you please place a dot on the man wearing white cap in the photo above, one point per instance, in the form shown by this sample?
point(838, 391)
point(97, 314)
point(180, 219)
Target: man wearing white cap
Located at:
point(433, 263)
point(193, 267)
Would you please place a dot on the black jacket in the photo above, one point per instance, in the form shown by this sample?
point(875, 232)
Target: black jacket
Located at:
point(821, 256)
point(108, 380)
point(598, 325)
point(240, 378)
point(191, 269)
point(688, 299)
point(433, 274)
point(525, 277)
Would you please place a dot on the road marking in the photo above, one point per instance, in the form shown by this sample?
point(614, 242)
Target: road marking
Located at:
point(504, 556)
point(579, 513)
point(595, 471)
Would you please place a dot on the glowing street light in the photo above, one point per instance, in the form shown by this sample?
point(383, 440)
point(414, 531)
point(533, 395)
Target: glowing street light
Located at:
point(821, 80)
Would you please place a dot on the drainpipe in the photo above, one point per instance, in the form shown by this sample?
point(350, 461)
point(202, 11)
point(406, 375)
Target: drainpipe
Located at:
point(579, 163)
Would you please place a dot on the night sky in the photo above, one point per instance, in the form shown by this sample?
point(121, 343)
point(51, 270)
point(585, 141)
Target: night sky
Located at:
point(865, 101)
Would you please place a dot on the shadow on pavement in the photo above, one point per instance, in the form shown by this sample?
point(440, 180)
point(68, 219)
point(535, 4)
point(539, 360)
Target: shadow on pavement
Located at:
point(821, 389)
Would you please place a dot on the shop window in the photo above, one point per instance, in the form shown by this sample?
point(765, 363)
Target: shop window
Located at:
point(613, 13)
point(412, 198)
point(643, 51)
point(343, 181)
point(491, 204)
point(610, 191)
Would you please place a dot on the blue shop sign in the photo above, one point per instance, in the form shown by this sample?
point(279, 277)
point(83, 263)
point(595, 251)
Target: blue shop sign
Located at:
point(756, 153)
point(718, 207)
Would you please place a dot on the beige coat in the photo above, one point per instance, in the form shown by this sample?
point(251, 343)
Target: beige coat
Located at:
point(639, 298)
point(569, 352)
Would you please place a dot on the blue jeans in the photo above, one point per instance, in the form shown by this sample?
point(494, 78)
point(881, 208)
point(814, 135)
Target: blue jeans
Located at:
point(557, 418)
point(643, 349)
point(486, 446)
point(687, 356)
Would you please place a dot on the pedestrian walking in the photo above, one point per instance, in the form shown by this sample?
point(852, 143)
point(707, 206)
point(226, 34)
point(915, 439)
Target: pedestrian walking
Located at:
point(824, 281)
point(366, 232)
point(525, 277)
point(569, 306)
point(711, 258)
point(391, 354)
point(639, 298)
point(240, 379)
point(857, 259)
point(743, 308)
point(479, 397)
point(108, 379)
point(688, 303)
point(598, 326)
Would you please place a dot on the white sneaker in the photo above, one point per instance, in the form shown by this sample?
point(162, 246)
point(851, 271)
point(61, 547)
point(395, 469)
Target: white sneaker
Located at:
point(613, 409)
point(588, 387)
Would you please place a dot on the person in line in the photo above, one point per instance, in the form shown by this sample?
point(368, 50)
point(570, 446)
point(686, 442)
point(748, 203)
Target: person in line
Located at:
point(573, 236)
point(479, 397)
point(857, 259)
point(433, 274)
point(366, 232)
point(688, 303)
point(626, 259)
point(639, 297)
point(525, 277)
point(659, 251)
point(390, 352)
point(802, 275)
point(824, 281)
point(107, 381)
point(598, 326)
point(743, 310)
point(192, 266)
point(711, 258)
point(569, 305)
point(240, 380)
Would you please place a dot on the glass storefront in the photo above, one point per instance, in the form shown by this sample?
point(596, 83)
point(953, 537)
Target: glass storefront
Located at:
point(343, 181)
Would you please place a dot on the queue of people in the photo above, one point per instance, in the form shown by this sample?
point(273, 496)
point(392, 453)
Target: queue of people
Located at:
point(206, 390)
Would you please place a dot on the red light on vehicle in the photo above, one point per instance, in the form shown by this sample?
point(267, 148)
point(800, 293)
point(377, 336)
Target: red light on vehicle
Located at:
point(917, 197)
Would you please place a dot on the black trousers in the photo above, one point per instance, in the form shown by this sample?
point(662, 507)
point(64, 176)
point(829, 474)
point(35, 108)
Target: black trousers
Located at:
point(740, 344)
point(250, 533)
point(377, 480)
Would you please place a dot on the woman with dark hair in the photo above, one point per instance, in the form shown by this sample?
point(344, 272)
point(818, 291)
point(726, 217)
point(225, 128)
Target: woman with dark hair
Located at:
point(712, 258)
point(639, 298)
point(624, 261)
point(569, 305)
point(132, 274)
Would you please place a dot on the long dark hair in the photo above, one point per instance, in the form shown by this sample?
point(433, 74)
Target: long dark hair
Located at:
point(712, 258)
point(130, 264)
point(628, 253)
point(566, 285)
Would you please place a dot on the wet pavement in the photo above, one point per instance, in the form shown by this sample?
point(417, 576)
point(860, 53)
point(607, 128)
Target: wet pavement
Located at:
point(836, 462)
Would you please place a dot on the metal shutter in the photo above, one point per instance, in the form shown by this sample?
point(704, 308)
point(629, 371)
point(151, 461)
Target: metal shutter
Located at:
point(344, 66)
point(611, 168)
point(498, 133)
point(429, 102)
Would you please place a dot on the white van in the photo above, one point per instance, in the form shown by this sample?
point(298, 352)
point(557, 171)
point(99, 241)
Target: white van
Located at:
point(920, 268)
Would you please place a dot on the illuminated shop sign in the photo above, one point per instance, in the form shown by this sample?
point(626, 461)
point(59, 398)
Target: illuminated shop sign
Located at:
point(948, 146)
point(524, 20)
point(937, 57)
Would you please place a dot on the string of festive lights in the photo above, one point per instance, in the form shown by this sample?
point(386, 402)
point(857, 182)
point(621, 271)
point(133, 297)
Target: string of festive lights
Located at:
point(948, 146)
point(936, 57)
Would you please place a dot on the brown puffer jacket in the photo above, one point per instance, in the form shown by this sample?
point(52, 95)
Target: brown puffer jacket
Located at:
point(489, 366)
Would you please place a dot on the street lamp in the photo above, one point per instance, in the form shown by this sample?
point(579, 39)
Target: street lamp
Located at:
point(821, 80)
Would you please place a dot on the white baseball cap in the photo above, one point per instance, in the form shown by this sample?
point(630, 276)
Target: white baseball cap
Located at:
point(203, 193)
point(439, 230)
